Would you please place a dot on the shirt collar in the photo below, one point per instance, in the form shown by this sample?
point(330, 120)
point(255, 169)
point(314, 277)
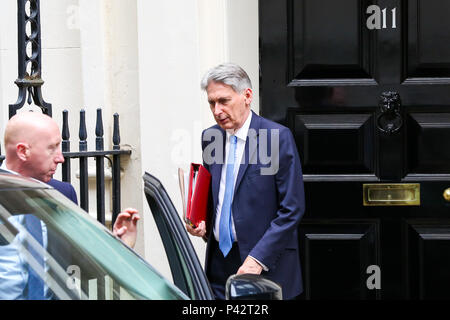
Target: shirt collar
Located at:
point(4, 167)
point(242, 132)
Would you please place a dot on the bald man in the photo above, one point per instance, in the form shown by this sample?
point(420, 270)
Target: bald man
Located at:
point(33, 149)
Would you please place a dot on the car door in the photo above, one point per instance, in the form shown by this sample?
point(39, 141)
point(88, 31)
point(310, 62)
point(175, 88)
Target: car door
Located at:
point(74, 257)
point(187, 272)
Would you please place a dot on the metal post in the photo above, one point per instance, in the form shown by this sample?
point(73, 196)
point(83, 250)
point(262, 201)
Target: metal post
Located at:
point(84, 186)
point(65, 146)
point(29, 57)
point(116, 171)
point(100, 169)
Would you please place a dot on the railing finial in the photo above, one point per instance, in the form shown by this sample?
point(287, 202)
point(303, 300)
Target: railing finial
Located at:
point(82, 134)
point(29, 78)
point(116, 133)
point(99, 131)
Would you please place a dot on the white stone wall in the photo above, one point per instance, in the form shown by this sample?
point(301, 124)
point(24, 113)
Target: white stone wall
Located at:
point(144, 60)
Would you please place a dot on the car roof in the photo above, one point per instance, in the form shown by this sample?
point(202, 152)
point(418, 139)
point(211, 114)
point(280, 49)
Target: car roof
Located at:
point(15, 181)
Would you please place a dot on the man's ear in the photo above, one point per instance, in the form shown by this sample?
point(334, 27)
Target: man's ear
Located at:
point(22, 151)
point(248, 93)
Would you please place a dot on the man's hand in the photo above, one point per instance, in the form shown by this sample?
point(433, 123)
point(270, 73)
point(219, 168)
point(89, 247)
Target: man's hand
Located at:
point(125, 226)
point(250, 266)
point(200, 231)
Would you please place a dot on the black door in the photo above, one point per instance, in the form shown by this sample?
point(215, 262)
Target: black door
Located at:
point(365, 88)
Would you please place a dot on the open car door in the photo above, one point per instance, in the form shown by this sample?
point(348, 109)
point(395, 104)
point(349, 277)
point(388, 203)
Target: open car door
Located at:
point(187, 272)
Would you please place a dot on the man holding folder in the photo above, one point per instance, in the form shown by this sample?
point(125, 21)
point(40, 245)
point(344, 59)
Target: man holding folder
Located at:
point(258, 199)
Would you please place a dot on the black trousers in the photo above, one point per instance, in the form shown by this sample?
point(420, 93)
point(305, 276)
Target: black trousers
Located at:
point(220, 267)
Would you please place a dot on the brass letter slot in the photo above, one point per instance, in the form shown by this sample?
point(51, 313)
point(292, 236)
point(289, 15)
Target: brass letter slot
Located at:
point(391, 194)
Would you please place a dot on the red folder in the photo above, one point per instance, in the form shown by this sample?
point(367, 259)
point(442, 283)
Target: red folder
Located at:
point(195, 203)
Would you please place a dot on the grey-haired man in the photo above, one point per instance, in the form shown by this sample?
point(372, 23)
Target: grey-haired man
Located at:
point(257, 205)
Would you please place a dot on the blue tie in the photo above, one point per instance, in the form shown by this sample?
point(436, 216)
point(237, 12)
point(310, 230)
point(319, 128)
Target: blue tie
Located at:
point(225, 232)
point(35, 283)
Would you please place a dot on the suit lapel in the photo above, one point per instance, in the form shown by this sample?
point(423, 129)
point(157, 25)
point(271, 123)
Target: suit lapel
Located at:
point(216, 173)
point(251, 145)
point(249, 152)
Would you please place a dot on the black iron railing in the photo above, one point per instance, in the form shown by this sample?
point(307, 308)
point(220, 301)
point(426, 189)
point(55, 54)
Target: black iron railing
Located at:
point(29, 57)
point(29, 82)
point(113, 156)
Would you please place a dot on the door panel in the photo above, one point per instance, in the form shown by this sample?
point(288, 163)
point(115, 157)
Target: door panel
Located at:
point(365, 106)
point(324, 245)
point(427, 131)
point(428, 38)
point(426, 268)
point(311, 42)
point(334, 143)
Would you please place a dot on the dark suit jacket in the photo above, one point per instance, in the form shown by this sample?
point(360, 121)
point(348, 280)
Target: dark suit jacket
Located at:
point(65, 188)
point(266, 208)
point(57, 244)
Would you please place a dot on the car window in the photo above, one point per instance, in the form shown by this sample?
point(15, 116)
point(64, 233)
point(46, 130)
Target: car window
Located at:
point(78, 258)
point(187, 272)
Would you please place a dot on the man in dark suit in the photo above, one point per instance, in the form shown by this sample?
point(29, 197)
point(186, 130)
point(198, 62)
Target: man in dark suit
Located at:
point(257, 188)
point(33, 149)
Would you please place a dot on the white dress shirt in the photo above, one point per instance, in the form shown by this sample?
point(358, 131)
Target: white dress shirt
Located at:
point(241, 135)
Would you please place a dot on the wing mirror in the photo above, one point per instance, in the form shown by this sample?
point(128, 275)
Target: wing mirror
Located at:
point(252, 287)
